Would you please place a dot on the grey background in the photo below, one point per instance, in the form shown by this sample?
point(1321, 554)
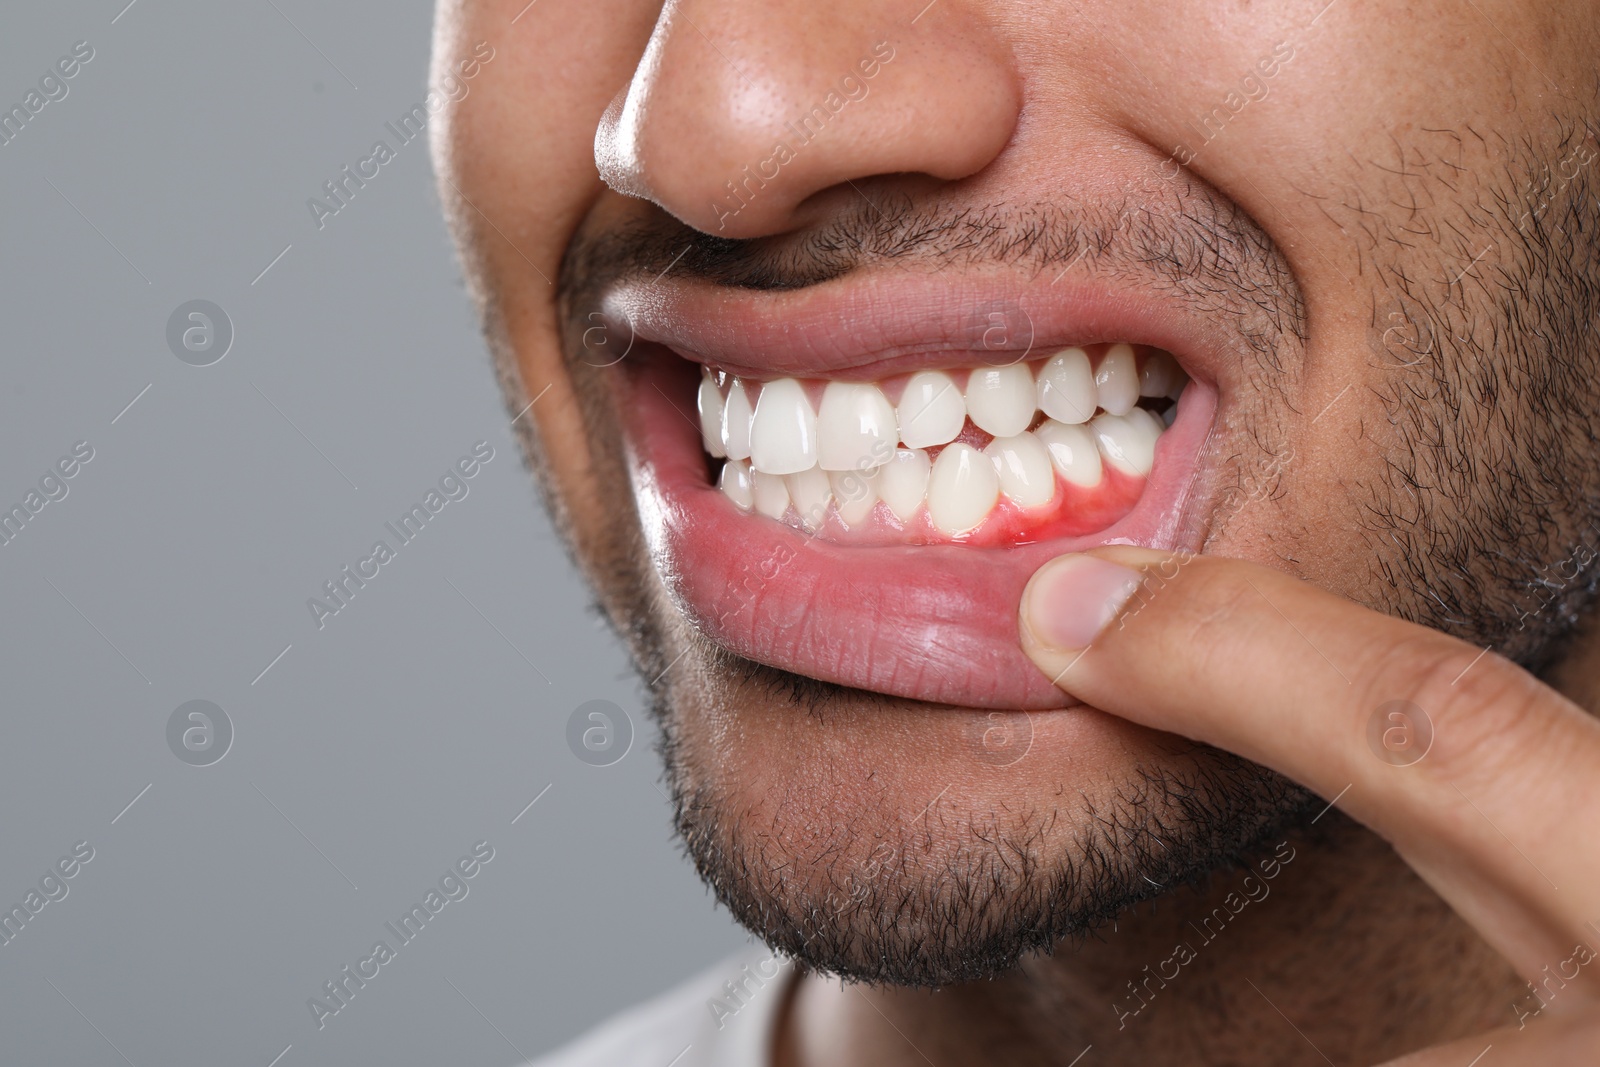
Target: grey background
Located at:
point(374, 752)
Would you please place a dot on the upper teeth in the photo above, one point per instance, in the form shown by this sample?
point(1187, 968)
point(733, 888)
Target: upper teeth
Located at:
point(783, 432)
point(1000, 400)
point(931, 410)
point(855, 426)
point(782, 451)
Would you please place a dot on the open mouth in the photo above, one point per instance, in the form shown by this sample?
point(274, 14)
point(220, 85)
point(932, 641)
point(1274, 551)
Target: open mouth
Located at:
point(1007, 455)
point(837, 483)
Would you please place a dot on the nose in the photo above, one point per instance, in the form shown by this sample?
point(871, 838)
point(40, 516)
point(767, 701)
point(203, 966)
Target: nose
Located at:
point(738, 112)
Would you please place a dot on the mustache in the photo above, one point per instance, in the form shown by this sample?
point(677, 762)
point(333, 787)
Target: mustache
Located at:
point(1184, 240)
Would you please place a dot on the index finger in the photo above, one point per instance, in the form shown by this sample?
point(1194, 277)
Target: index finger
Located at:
point(1479, 775)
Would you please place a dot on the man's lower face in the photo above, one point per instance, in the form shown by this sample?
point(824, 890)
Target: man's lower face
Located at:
point(810, 472)
point(843, 489)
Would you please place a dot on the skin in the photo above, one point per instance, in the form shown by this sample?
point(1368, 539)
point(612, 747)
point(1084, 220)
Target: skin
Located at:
point(1402, 272)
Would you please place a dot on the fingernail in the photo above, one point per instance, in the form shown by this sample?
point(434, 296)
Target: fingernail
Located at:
point(1072, 598)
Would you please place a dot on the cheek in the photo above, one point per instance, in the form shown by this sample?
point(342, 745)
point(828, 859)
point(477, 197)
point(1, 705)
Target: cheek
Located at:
point(519, 149)
point(521, 144)
point(1302, 511)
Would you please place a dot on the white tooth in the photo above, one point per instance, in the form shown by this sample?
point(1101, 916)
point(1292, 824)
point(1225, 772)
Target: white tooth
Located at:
point(1072, 452)
point(735, 483)
point(1152, 432)
point(710, 403)
point(1169, 415)
point(855, 427)
point(1066, 387)
point(855, 493)
point(931, 410)
point(770, 495)
point(1117, 380)
point(903, 482)
point(962, 489)
point(1159, 374)
point(1023, 463)
point(783, 433)
point(1151, 421)
point(1000, 399)
point(1126, 441)
point(736, 422)
point(810, 493)
point(1180, 382)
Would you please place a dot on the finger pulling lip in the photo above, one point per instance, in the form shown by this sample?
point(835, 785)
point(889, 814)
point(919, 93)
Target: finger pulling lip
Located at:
point(935, 623)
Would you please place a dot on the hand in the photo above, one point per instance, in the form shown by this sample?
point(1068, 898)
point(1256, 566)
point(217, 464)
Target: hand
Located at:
point(1250, 660)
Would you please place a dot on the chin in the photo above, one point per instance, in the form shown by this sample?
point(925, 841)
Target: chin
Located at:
point(887, 840)
point(892, 841)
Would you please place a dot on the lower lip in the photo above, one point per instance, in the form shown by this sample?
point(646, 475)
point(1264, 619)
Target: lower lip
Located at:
point(935, 623)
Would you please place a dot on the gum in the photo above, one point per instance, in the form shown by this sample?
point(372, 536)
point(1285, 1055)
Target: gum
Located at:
point(1074, 511)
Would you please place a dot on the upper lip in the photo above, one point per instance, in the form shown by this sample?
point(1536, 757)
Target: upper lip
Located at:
point(871, 325)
